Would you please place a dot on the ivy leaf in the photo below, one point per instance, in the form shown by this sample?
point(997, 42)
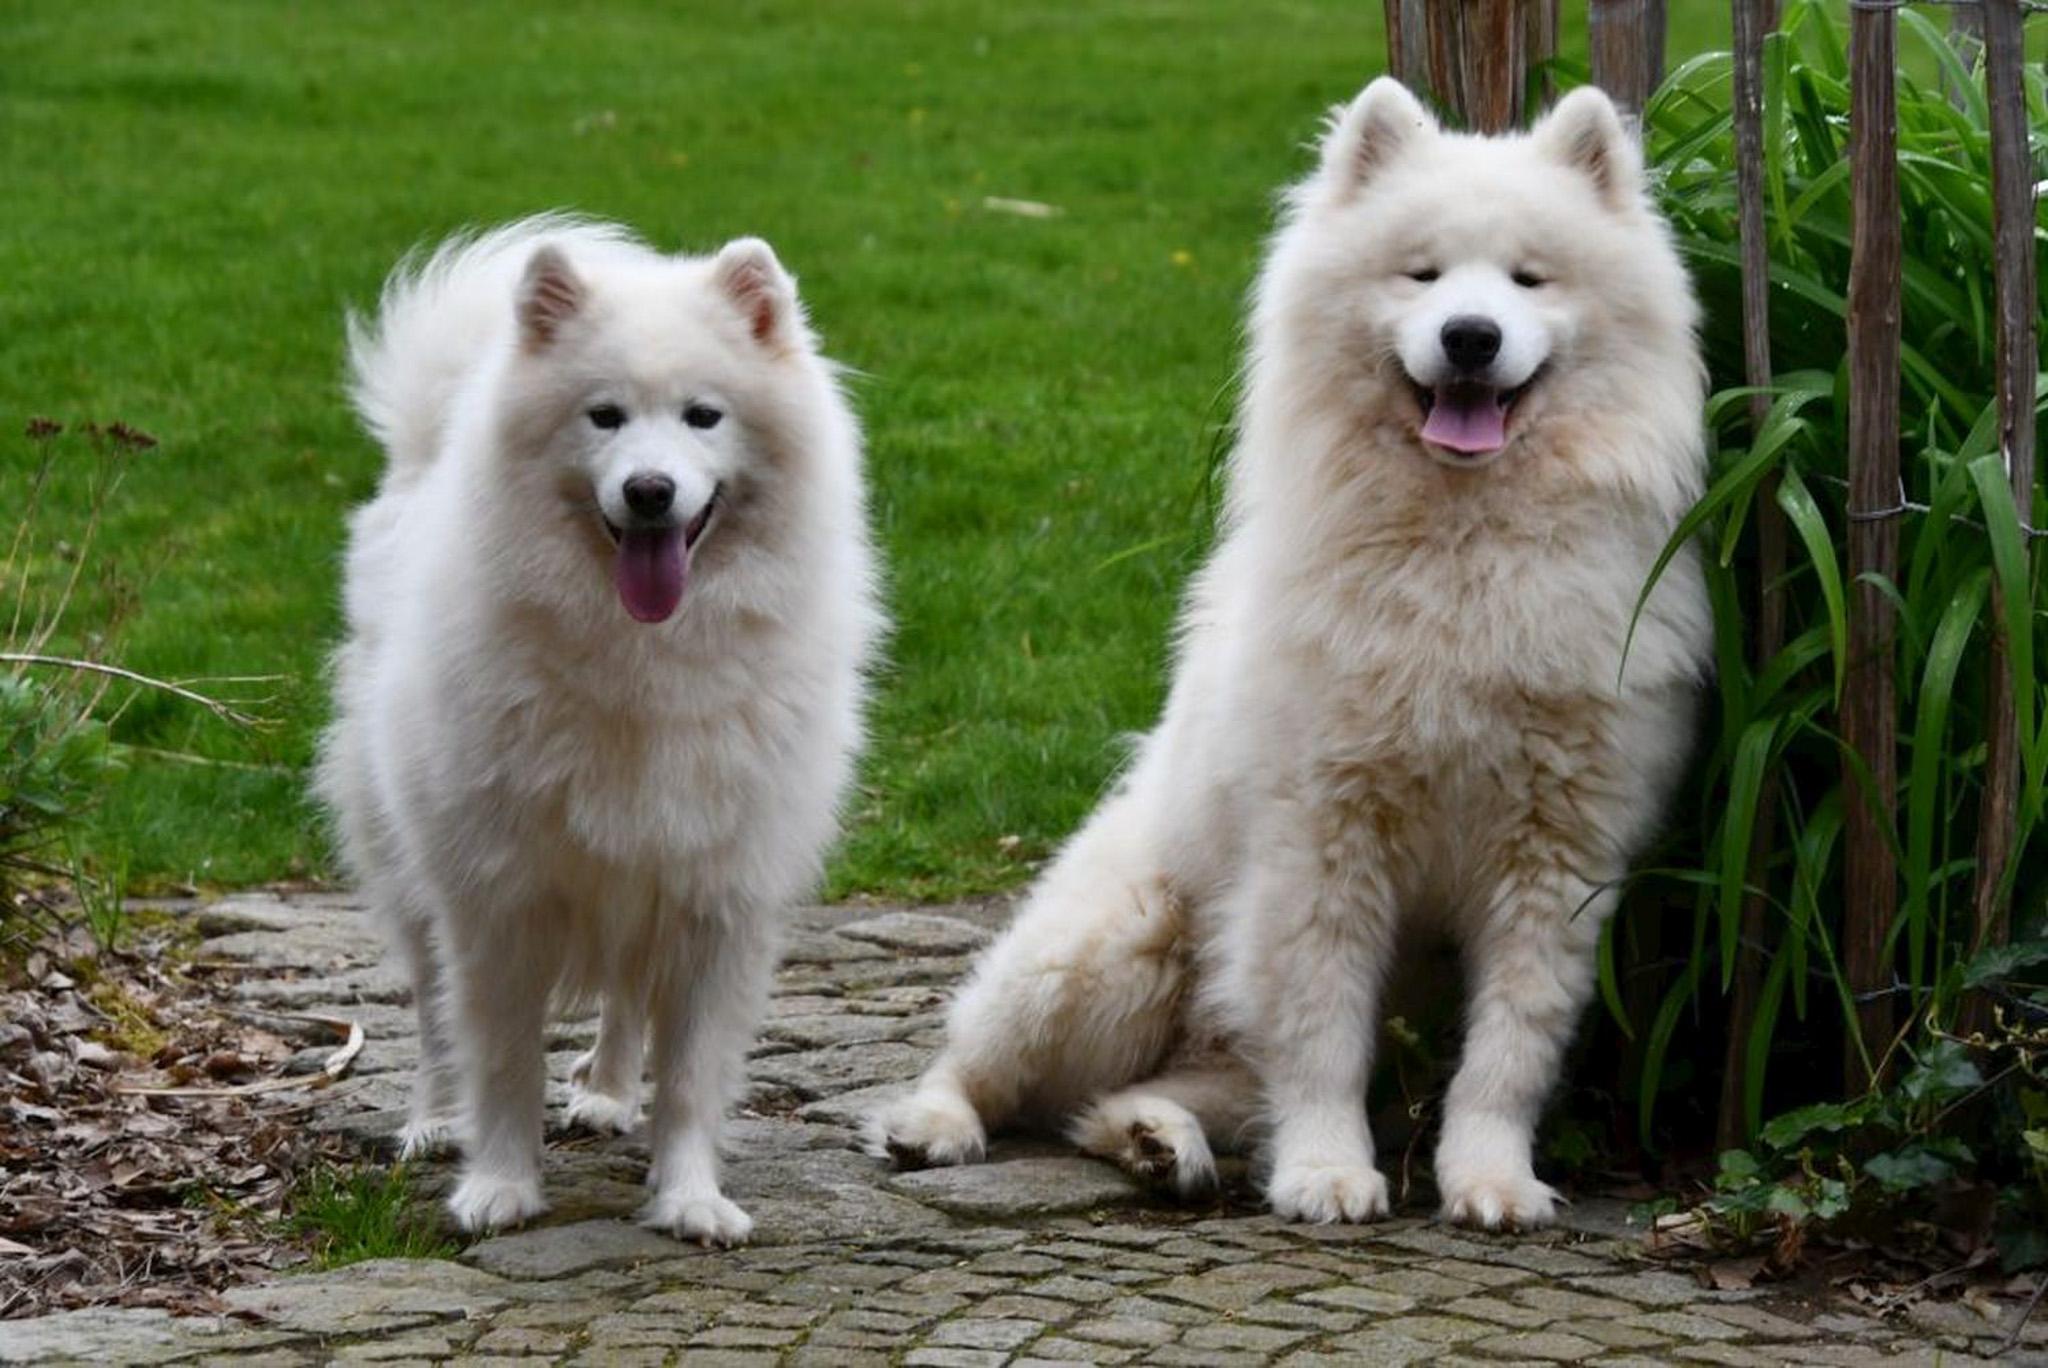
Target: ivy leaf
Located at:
point(1787, 1130)
point(1908, 1169)
point(1740, 1166)
point(1830, 1198)
point(1945, 1071)
point(1786, 1202)
point(1996, 963)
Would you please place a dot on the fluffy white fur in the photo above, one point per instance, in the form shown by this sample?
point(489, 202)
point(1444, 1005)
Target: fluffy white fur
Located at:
point(1400, 693)
point(541, 794)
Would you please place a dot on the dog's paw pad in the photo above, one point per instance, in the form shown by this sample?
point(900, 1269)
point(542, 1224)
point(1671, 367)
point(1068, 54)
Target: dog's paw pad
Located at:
point(1325, 1193)
point(919, 1133)
point(484, 1202)
point(1503, 1201)
point(1169, 1150)
point(601, 1112)
point(712, 1221)
point(1152, 1139)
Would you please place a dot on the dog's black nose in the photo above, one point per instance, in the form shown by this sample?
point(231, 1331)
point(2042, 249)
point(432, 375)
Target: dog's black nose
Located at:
point(1471, 342)
point(649, 496)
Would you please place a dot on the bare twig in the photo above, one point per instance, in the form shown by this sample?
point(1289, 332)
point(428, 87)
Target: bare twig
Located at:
point(2012, 1336)
point(221, 709)
point(336, 1065)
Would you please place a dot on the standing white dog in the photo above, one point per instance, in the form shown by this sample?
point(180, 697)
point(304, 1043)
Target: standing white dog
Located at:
point(1472, 421)
point(602, 685)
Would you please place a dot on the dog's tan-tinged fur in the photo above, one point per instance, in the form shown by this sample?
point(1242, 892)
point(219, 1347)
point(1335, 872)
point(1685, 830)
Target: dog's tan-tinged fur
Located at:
point(1400, 690)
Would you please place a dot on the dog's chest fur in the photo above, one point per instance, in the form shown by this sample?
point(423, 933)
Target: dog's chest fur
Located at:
point(1437, 668)
point(639, 751)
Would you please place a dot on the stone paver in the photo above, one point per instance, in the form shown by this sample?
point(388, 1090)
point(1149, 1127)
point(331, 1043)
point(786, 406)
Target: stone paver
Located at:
point(1037, 1257)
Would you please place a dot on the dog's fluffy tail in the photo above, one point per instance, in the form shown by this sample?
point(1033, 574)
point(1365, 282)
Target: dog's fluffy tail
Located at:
point(437, 313)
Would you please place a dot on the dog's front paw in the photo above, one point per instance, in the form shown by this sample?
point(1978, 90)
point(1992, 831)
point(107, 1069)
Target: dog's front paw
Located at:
point(709, 1220)
point(927, 1129)
point(1324, 1193)
point(488, 1201)
point(1505, 1200)
point(601, 1112)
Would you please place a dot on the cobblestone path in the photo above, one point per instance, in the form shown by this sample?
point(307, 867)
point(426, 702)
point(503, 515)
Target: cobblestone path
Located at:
point(1036, 1257)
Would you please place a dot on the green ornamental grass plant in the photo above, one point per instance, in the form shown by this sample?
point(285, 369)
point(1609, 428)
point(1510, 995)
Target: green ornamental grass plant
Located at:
point(1779, 719)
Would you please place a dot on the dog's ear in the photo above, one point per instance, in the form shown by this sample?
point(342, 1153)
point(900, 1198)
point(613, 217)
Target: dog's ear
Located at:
point(1585, 133)
point(748, 274)
point(550, 293)
point(1365, 136)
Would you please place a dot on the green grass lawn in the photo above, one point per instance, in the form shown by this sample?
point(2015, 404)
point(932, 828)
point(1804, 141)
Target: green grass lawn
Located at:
point(195, 190)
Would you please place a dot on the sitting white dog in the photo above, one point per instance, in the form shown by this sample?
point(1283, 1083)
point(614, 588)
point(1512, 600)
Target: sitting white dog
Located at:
point(602, 686)
point(1471, 422)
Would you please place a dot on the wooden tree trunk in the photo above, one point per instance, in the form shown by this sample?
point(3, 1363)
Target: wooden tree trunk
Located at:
point(1869, 719)
point(2012, 212)
point(1752, 20)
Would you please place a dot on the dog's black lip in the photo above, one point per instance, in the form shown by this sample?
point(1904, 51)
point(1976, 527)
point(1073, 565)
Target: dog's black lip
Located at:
point(696, 526)
point(1425, 395)
point(692, 531)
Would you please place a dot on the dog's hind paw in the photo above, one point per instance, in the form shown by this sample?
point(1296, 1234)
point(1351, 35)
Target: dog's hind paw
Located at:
point(1325, 1193)
point(1499, 1201)
point(488, 1201)
point(711, 1221)
point(927, 1130)
point(601, 1112)
point(1150, 1138)
point(425, 1137)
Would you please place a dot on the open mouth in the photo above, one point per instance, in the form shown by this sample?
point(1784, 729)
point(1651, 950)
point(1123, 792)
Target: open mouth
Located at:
point(1469, 418)
point(652, 567)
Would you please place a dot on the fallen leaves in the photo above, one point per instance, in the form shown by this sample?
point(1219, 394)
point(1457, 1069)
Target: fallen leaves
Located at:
point(151, 1133)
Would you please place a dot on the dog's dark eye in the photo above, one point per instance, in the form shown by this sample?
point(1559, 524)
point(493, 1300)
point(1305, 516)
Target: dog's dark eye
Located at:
point(702, 416)
point(1425, 275)
point(606, 416)
point(1529, 280)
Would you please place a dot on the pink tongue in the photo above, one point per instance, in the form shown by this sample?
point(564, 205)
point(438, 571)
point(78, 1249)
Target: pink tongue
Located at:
point(1467, 419)
point(651, 570)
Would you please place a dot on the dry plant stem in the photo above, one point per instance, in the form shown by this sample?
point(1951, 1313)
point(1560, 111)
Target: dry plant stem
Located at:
point(2012, 211)
point(224, 711)
point(1869, 719)
point(2013, 1336)
point(38, 482)
point(336, 1065)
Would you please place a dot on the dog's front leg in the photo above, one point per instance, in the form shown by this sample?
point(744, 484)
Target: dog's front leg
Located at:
point(704, 1009)
point(1307, 934)
point(1530, 964)
point(497, 988)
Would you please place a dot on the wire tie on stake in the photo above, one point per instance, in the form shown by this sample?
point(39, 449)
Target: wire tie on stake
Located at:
point(1864, 515)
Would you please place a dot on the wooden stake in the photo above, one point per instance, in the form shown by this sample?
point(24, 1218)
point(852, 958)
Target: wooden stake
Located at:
point(1752, 20)
point(1494, 61)
point(1540, 32)
point(1627, 41)
point(2012, 215)
point(1869, 714)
